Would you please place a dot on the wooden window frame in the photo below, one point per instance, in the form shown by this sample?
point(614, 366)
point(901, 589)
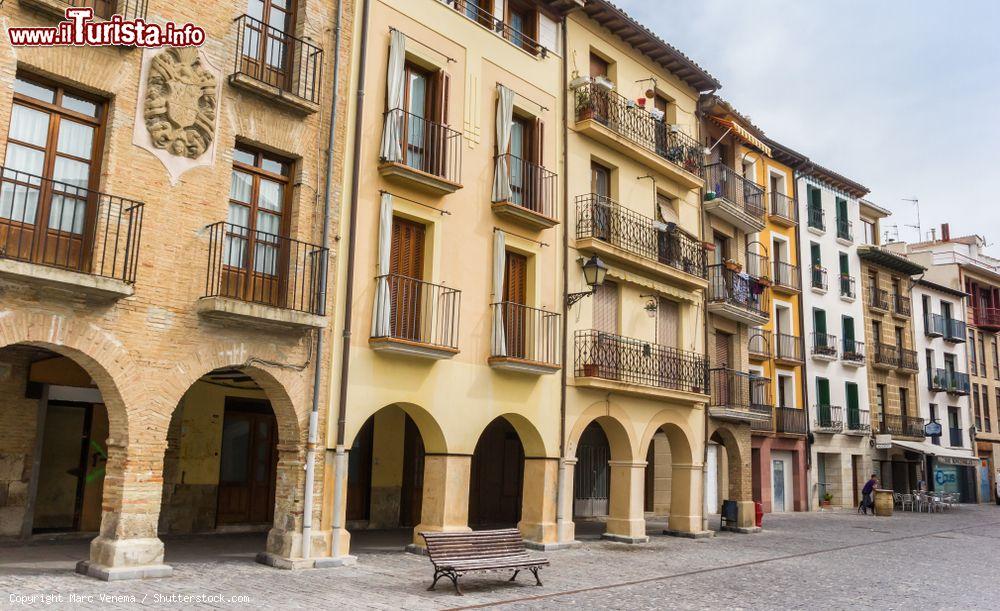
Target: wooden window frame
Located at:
point(257, 172)
point(258, 65)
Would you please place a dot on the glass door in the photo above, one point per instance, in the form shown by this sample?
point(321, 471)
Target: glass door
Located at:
point(266, 42)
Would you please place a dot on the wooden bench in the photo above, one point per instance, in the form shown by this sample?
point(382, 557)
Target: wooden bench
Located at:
point(457, 553)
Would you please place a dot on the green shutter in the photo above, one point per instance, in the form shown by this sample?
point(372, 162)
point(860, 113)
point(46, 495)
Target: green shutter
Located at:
point(817, 258)
point(845, 265)
point(848, 331)
point(853, 412)
point(823, 401)
point(819, 320)
point(841, 209)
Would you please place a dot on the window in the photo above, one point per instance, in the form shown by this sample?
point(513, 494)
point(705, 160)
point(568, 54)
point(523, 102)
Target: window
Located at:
point(257, 215)
point(899, 338)
point(954, 428)
point(668, 321)
point(55, 135)
point(973, 367)
point(606, 308)
point(868, 231)
point(880, 398)
point(814, 207)
point(265, 42)
point(996, 360)
point(480, 11)
point(847, 332)
point(929, 360)
point(599, 66)
point(526, 153)
point(982, 356)
point(786, 393)
point(904, 403)
point(986, 408)
point(523, 21)
point(425, 110)
point(975, 405)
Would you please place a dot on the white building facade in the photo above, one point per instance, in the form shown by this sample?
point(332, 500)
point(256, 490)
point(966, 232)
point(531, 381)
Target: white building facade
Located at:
point(833, 324)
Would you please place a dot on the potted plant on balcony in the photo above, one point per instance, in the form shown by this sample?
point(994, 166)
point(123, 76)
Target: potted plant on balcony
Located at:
point(826, 500)
point(733, 265)
point(764, 281)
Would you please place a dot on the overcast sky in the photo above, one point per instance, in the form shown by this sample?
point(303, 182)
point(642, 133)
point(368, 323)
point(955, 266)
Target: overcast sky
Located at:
point(899, 95)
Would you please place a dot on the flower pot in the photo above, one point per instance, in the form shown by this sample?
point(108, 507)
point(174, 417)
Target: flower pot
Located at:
point(824, 503)
point(590, 370)
point(764, 281)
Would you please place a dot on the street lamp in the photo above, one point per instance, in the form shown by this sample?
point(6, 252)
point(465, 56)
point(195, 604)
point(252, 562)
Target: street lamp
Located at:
point(594, 271)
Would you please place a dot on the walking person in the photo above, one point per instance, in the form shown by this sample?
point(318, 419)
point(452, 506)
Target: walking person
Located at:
point(867, 496)
point(997, 493)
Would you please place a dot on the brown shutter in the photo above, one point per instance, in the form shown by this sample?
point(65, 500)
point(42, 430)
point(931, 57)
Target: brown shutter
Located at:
point(515, 294)
point(438, 137)
point(407, 265)
point(516, 279)
point(722, 342)
point(598, 67)
point(668, 321)
point(606, 308)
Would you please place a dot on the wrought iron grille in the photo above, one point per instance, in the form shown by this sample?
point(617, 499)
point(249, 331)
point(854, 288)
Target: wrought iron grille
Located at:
point(738, 289)
point(532, 186)
point(276, 58)
point(787, 275)
point(724, 182)
point(529, 334)
point(418, 312)
point(626, 359)
point(427, 146)
point(784, 207)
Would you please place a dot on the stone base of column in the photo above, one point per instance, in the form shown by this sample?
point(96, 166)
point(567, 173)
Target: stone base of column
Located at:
point(746, 519)
point(285, 551)
point(751, 530)
point(548, 547)
point(539, 535)
point(624, 538)
point(120, 559)
point(698, 534)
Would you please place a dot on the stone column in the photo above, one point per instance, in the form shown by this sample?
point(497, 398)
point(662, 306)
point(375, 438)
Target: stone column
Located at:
point(337, 539)
point(764, 469)
point(626, 519)
point(446, 495)
point(538, 502)
point(127, 546)
point(565, 525)
point(285, 546)
point(687, 502)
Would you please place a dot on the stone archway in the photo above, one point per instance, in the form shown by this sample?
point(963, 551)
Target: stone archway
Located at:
point(686, 477)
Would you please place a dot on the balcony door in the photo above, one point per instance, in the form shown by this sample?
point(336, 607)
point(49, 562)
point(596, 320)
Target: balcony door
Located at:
point(606, 323)
point(600, 186)
point(848, 329)
point(406, 269)
point(248, 463)
point(266, 44)
point(853, 406)
point(515, 297)
point(823, 401)
point(819, 326)
point(47, 210)
point(723, 360)
point(256, 248)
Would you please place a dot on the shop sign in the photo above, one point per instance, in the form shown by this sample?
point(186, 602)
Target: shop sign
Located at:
point(957, 461)
point(883, 442)
point(932, 429)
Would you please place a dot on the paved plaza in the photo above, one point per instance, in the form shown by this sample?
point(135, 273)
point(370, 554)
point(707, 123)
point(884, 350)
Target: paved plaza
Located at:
point(817, 560)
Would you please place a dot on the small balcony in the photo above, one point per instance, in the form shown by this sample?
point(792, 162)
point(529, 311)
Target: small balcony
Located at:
point(58, 235)
point(955, 331)
point(737, 296)
point(787, 278)
point(784, 210)
point(415, 318)
point(956, 438)
point(986, 318)
point(901, 306)
point(525, 339)
point(740, 397)
point(878, 299)
point(908, 360)
point(886, 356)
point(532, 200)
point(428, 156)
point(818, 279)
point(859, 422)
point(757, 265)
point(733, 198)
point(788, 348)
point(103, 9)
point(617, 122)
point(829, 419)
point(520, 38)
point(933, 325)
point(277, 65)
point(634, 366)
point(848, 287)
point(824, 347)
point(900, 425)
point(263, 279)
point(952, 382)
point(764, 421)
point(791, 421)
point(623, 235)
point(816, 220)
point(759, 346)
point(853, 352)
point(845, 232)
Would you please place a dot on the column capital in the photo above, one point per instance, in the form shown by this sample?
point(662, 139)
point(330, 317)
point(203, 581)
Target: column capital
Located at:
point(628, 463)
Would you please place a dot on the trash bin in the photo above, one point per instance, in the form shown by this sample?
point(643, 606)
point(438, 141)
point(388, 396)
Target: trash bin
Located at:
point(730, 514)
point(759, 514)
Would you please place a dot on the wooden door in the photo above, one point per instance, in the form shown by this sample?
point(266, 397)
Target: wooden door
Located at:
point(247, 464)
point(412, 493)
point(514, 299)
point(723, 358)
point(418, 101)
point(267, 46)
point(497, 472)
point(359, 473)
point(601, 212)
point(606, 323)
point(406, 269)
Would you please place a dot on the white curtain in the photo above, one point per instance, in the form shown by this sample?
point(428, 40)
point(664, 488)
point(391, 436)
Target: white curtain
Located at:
point(499, 267)
point(381, 314)
point(392, 134)
point(505, 123)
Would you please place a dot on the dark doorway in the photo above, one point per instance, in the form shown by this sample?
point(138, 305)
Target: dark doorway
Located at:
point(248, 463)
point(497, 474)
point(592, 477)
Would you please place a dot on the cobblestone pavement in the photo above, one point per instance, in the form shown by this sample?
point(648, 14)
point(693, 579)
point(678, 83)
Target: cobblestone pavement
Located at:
point(818, 560)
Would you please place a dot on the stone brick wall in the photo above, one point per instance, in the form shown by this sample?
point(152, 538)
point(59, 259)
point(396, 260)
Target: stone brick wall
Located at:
point(146, 350)
point(892, 379)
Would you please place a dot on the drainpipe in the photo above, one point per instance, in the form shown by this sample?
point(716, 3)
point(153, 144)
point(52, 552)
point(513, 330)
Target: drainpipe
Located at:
point(802, 344)
point(708, 380)
point(340, 462)
point(561, 476)
point(307, 504)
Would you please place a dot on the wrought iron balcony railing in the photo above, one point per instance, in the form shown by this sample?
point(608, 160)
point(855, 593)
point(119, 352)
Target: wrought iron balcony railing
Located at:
point(818, 277)
point(427, 146)
point(901, 305)
point(757, 265)
point(745, 194)
point(520, 38)
point(829, 418)
point(764, 421)
point(603, 218)
point(416, 312)
point(264, 268)
point(739, 390)
point(789, 347)
point(824, 345)
point(878, 298)
point(526, 334)
point(760, 343)
point(738, 289)
point(933, 324)
point(532, 186)
point(816, 218)
point(955, 330)
point(986, 317)
point(845, 230)
point(58, 224)
point(886, 354)
point(621, 116)
point(859, 420)
point(847, 286)
point(784, 207)
point(791, 420)
point(129, 10)
point(276, 58)
point(853, 351)
point(626, 359)
point(908, 360)
point(903, 425)
point(787, 275)
point(953, 382)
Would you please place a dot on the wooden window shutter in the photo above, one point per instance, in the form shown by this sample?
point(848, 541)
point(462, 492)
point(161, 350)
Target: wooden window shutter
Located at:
point(668, 322)
point(516, 278)
point(538, 148)
point(437, 136)
point(606, 308)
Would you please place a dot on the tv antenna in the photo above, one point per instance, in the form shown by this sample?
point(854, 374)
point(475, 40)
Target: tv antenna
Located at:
point(916, 202)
